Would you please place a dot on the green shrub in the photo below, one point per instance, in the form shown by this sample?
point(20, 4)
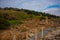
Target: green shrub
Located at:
point(15, 22)
point(4, 24)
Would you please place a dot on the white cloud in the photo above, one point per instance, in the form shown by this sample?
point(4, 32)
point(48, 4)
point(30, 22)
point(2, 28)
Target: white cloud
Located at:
point(54, 11)
point(38, 5)
point(31, 5)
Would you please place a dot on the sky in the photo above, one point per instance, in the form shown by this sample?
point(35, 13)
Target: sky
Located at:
point(48, 6)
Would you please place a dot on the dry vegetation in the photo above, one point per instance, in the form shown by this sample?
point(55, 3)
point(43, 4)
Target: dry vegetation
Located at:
point(21, 20)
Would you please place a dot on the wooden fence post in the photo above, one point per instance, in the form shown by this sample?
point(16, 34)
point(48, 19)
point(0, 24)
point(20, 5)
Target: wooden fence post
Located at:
point(26, 35)
point(13, 36)
point(35, 34)
point(42, 33)
point(46, 20)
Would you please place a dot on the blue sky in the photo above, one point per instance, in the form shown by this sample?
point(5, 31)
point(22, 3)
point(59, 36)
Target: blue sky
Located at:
point(37, 5)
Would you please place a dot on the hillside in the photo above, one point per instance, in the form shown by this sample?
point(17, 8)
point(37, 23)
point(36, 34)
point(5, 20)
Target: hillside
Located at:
point(14, 20)
point(16, 17)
